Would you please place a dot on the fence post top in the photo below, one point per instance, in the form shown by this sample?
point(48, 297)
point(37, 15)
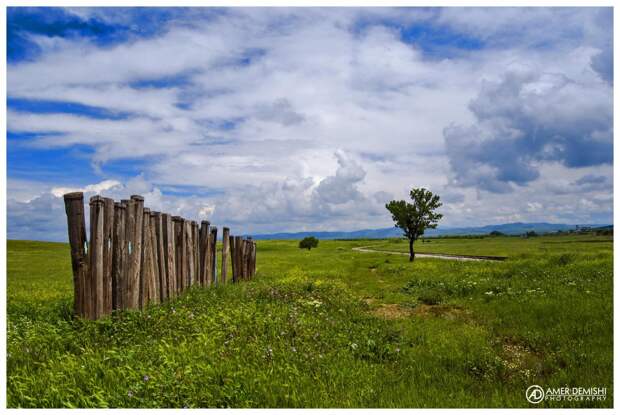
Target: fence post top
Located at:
point(155, 213)
point(226, 229)
point(96, 199)
point(177, 218)
point(119, 205)
point(73, 195)
point(137, 198)
point(213, 229)
point(205, 222)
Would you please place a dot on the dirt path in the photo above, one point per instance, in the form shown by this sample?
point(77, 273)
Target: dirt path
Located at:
point(440, 256)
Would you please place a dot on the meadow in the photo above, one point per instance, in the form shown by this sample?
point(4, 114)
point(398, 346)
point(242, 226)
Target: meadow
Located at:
point(329, 327)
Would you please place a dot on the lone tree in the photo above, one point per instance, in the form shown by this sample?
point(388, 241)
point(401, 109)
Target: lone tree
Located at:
point(308, 243)
point(414, 218)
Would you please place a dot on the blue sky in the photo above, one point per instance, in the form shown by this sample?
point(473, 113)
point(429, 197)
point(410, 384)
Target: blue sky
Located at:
point(270, 120)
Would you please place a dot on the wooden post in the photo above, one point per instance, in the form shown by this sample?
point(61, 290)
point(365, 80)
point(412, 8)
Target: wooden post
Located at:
point(145, 265)
point(213, 241)
point(241, 259)
point(254, 258)
point(179, 231)
point(108, 250)
point(76, 224)
point(135, 225)
point(225, 249)
point(209, 258)
point(170, 254)
point(203, 248)
point(96, 256)
point(189, 254)
point(238, 267)
point(246, 259)
point(196, 250)
point(155, 293)
point(118, 253)
point(161, 256)
point(231, 242)
point(130, 220)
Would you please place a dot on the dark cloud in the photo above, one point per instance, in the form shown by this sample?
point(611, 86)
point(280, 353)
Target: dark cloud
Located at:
point(527, 118)
point(603, 64)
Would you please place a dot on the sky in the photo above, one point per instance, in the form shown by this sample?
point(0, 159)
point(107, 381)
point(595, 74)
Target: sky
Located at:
point(294, 119)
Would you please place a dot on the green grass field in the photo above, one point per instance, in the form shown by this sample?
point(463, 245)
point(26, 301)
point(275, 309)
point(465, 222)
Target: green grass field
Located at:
point(329, 327)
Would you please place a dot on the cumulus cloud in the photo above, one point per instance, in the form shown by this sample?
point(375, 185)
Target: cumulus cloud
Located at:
point(524, 119)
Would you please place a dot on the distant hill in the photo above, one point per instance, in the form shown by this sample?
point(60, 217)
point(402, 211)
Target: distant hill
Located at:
point(516, 228)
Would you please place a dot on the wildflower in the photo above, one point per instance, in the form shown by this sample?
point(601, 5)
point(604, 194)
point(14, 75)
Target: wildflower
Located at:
point(353, 346)
point(146, 378)
point(489, 293)
point(293, 349)
point(397, 350)
point(130, 394)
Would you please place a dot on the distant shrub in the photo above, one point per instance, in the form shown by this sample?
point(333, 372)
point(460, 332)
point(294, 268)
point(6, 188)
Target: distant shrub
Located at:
point(531, 234)
point(496, 233)
point(308, 243)
point(565, 259)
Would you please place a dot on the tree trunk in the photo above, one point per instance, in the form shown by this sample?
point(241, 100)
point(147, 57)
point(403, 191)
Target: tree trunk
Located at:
point(411, 253)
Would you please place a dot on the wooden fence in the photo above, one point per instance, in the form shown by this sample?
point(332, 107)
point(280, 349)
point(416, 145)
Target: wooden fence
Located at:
point(137, 257)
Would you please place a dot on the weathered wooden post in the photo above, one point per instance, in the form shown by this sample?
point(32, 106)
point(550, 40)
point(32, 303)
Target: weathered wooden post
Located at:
point(203, 257)
point(155, 293)
point(225, 249)
point(238, 264)
point(189, 254)
point(130, 221)
point(170, 254)
point(213, 241)
point(196, 250)
point(76, 224)
point(179, 231)
point(145, 265)
point(108, 250)
point(134, 250)
point(208, 258)
point(246, 259)
point(96, 256)
point(253, 260)
point(118, 253)
point(231, 243)
point(161, 256)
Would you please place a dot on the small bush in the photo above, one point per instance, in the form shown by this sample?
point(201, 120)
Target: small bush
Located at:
point(308, 243)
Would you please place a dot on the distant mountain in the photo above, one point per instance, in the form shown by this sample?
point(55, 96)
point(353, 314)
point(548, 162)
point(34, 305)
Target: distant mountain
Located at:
point(516, 228)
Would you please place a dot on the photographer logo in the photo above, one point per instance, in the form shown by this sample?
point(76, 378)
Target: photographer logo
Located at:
point(535, 394)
